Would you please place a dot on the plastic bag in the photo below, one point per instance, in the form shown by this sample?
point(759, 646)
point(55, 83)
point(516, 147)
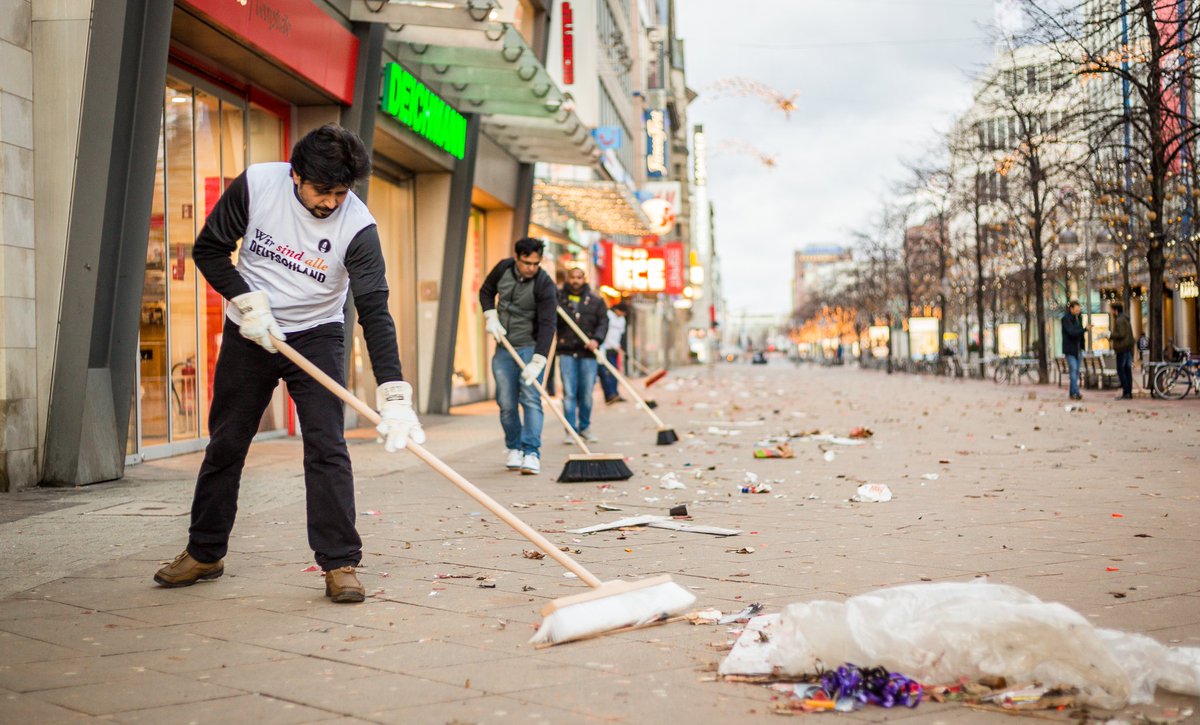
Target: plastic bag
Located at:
point(942, 631)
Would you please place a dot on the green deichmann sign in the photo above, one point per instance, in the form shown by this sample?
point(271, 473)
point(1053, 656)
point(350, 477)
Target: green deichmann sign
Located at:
point(407, 100)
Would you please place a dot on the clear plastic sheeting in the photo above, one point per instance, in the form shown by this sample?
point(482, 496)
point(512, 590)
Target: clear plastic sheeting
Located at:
point(939, 632)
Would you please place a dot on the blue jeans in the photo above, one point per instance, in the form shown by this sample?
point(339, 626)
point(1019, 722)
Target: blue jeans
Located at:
point(1073, 371)
point(510, 391)
point(608, 382)
point(578, 378)
point(1125, 371)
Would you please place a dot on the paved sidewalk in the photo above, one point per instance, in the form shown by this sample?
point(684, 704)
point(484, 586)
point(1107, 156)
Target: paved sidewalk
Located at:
point(1025, 493)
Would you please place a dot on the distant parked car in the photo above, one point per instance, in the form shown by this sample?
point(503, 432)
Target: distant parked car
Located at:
point(759, 358)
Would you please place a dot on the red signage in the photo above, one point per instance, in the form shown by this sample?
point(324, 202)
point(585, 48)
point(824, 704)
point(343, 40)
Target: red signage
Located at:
point(568, 44)
point(296, 33)
point(643, 269)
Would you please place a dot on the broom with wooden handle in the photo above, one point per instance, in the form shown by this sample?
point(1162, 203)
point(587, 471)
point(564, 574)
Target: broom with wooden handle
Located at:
point(578, 468)
point(666, 436)
point(652, 376)
point(608, 606)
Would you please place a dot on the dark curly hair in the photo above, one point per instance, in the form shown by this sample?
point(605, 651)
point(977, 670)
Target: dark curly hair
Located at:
point(331, 156)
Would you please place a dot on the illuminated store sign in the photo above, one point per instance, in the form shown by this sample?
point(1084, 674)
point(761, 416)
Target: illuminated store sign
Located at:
point(407, 100)
point(643, 269)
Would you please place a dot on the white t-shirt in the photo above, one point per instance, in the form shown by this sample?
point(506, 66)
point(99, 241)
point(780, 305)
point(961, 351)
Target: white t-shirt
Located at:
point(616, 328)
point(298, 259)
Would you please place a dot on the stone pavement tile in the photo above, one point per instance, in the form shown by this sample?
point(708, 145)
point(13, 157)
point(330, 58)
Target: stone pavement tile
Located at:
point(486, 710)
point(312, 672)
point(239, 709)
point(504, 676)
point(1177, 636)
point(148, 689)
point(18, 650)
point(34, 608)
point(197, 653)
point(615, 655)
point(18, 708)
point(341, 638)
point(284, 597)
point(362, 696)
point(104, 594)
point(404, 658)
point(188, 611)
point(114, 639)
point(1145, 616)
point(649, 697)
point(50, 674)
point(263, 628)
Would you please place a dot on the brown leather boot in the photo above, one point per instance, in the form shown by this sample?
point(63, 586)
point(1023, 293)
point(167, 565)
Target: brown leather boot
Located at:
point(342, 586)
point(186, 571)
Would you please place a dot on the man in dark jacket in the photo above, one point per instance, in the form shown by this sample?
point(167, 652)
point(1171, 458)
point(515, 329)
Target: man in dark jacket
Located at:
point(518, 300)
point(1072, 345)
point(1122, 343)
point(577, 358)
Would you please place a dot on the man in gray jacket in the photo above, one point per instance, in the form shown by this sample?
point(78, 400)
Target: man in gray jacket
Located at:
point(1122, 344)
point(519, 300)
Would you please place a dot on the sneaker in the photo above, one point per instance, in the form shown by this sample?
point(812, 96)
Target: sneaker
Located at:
point(186, 571)
point(588, 436)
point(342, 586)
point(614, 399)
point(531, 465)
point(514, 460)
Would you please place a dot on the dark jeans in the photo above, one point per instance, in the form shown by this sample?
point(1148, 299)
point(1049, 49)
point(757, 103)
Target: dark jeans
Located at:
point(608, 382)
point(1125, 371)
point(245, 378)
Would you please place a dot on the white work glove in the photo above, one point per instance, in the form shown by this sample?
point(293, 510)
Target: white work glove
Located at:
point(399, 424)
point(258, 324)
point(533, 369)
point(491, 323)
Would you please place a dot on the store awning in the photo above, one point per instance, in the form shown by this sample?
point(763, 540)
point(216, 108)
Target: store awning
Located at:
point(469, 52)
point(604, 206)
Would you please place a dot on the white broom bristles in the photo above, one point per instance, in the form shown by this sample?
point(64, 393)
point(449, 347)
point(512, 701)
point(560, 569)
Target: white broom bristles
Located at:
point(627, 609)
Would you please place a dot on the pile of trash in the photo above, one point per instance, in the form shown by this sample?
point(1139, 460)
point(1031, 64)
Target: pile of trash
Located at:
point(961, 633)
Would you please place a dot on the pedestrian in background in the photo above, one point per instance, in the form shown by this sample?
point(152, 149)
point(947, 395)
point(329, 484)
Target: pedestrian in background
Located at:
point(577, 358)
point(1072, 345)
point(1122, 344)
point(1143, 347)
point(612, 347)
point(284, 212)
point(518, 300)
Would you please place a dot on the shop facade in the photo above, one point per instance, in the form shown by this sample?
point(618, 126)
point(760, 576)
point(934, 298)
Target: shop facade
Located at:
point(175, 100)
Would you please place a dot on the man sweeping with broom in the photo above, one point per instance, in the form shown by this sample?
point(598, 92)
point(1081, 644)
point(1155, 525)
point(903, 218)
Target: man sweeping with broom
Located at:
point(576, 355)
point(519, 300)
point(306, 240)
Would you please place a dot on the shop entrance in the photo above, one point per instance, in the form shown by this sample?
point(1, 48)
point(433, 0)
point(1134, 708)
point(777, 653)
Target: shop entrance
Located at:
point(207, 138)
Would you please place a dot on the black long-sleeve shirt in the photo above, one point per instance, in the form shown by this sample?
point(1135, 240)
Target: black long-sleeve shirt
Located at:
point(230, 221)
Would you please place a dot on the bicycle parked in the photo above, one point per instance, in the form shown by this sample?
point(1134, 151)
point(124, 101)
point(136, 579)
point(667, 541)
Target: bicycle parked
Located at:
point(1175, 380)
point(1015, 370)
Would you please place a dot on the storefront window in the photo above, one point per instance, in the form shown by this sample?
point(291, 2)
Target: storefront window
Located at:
point(202, 148)
point(391, 203)
point(470, 371)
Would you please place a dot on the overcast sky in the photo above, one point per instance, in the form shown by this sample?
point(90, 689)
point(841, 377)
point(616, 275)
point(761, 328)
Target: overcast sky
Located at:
point(877, 80)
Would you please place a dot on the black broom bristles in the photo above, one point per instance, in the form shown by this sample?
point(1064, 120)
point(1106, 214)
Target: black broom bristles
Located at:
point(651, 404)
point(581, 470)
point(666, 437)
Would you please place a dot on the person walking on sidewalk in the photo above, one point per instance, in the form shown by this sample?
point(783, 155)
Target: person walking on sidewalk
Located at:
point(1072, 345)
point(306, 240)
point(518, 300)
point(577, 358)
point(612, 347)
point(1122, 344)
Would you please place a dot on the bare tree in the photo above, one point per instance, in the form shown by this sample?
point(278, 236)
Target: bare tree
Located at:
point(1146, 51)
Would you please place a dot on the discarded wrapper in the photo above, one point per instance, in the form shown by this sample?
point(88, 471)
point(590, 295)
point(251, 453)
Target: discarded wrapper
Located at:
point(873, 493)
point(783, 450)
